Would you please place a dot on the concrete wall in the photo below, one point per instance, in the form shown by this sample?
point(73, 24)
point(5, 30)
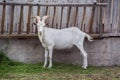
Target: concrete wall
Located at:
point(100, 52)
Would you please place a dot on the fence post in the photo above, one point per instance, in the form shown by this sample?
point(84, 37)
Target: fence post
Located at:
point(12, 20)
point(100, 23)
point(3, 19)
point(92, 18)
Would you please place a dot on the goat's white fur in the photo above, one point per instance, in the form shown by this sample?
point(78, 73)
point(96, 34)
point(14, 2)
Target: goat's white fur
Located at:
point(60, 39)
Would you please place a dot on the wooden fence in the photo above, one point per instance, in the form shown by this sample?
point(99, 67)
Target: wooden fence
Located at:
point(15, 17)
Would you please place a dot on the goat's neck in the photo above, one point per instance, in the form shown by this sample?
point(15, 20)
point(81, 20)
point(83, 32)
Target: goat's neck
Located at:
point(41, 35)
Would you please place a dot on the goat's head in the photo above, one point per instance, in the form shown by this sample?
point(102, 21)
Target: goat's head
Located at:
point(40, 23)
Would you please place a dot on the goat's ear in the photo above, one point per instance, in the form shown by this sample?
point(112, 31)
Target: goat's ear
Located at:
point(44, 18)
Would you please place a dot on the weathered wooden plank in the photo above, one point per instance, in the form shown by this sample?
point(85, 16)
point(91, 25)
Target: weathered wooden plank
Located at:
point(24, 36)
point(38, 11)
point(20, 21)
point(61, 17)
point(12, 20)
point(111, 14)
point(106, 17)
point(68, 16)
point(29, 15)
point(115, 17)
point(92, 19)
point(75, 16)
point(53, 17)
point(83, 17)
point(19, 36)
point(56, 18)
point(103, 21)
point(100, 24)
point(46, 11)
point(3, 20)
point(56, 4)
point(38, 14)
point(118, 17)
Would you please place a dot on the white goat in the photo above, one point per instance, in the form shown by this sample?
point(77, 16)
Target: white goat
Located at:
point(60, 39)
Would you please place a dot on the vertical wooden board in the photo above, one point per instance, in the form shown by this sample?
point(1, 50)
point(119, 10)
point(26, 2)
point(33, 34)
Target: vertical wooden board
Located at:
point(57, 17)
point(20, 20)
point(64, 18)
point(119, 16)
point(80, 17)
point(69, 12)
point(71, 17)
point(28, 19)
point(25, 17)
point(91, 20)
point(115, 12)
point(51, 14)
point(53, 19)
point(7, 19)
point(38, 10)
point(12, 19)
point(88, 17)
point(46, 10)
point(75, 16)
point(16, 18)
point(43, 11)
point(43, 8)
point(85, 23)
point(34, 13)
point(23, 22)
point(106, 17)
point(61, 15)
point(96, 21)
point(80, 13)
point(111, 16)
point(2, 18)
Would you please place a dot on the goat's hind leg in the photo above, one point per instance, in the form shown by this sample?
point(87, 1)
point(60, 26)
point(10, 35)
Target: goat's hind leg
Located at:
point(84, 53)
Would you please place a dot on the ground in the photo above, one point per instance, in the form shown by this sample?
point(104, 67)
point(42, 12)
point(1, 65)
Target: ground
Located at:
point(19, 71)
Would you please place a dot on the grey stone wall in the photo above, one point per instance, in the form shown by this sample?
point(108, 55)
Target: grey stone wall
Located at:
point(100, 52)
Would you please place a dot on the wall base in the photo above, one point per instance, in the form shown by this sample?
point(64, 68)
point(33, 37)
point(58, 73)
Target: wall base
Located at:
point(104, 52)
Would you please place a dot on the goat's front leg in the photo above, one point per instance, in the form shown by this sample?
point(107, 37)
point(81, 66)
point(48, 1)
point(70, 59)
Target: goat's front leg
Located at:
point(50, 57)
point(46, 56)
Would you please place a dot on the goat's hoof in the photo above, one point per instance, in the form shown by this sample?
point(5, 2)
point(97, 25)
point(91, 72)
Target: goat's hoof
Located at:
point(49, 67)
point(85, 67)
point(44, 66)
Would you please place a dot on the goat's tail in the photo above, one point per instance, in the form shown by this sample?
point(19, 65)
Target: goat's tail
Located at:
point(89, 37)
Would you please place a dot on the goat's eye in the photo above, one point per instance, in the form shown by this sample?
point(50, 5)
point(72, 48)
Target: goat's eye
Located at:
point(35, 24)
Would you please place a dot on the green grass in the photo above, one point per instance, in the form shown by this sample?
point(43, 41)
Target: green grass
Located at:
point(19, 71)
